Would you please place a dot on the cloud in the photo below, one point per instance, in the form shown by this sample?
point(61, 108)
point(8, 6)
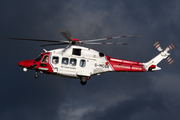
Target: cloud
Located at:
point(73, 111)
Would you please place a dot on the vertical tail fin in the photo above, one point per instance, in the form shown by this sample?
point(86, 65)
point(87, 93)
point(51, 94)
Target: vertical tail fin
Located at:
point(152, 64)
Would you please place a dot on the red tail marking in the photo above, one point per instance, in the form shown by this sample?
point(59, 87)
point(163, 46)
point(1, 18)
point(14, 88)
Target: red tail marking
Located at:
point(152, 66)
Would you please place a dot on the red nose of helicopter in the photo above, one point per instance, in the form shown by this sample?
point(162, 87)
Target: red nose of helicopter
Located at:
point(26, 63)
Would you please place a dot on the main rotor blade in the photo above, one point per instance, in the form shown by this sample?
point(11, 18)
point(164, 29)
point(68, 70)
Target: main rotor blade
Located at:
point(34, 39)
point(67, 35)
point(55, 44)
point(109, 38)
point(108, 43)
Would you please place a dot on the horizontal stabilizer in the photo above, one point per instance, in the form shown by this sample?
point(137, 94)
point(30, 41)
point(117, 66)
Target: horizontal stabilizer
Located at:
point(157, 68)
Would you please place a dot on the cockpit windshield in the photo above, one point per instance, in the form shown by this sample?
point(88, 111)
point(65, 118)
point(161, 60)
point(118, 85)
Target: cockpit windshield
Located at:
point(37, 59)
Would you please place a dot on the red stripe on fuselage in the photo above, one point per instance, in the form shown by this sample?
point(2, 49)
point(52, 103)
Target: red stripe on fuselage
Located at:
point(120, 65)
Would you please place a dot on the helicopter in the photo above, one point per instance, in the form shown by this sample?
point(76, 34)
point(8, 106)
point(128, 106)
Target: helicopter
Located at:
point(80, 62)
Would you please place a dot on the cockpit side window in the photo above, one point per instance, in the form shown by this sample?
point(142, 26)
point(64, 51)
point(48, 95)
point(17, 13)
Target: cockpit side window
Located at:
point(65, 60)
point(37, 59)
point(45, 59)
point(55, 60)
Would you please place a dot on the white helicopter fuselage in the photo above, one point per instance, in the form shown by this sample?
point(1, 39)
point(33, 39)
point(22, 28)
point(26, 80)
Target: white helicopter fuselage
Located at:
point(86, 62)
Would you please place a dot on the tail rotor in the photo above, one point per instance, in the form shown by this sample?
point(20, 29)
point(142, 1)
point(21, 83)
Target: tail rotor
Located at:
point(165, 52)
point(170, 47)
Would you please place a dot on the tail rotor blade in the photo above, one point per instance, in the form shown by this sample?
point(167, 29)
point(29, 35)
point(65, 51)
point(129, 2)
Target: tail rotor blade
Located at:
point(157, 45)
point(170, 60)
point(170, 47)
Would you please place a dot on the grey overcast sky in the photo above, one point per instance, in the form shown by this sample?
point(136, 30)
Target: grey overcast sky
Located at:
point(115, 96)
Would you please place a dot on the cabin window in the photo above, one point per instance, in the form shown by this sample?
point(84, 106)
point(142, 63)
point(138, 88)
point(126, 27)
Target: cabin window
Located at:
point(65, 60)
point(76, 51)
point(82, 63)
point(37, 59)
point(73, 61)
point(55, 60)
point(45, 59)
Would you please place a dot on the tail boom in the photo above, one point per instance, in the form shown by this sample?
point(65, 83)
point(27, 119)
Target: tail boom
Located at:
point(120, 65)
